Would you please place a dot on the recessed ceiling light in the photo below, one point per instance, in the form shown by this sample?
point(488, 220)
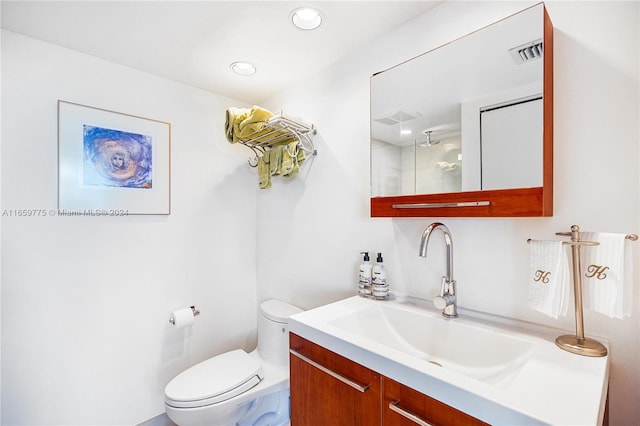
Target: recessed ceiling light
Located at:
point(406, 131)
point(243, 68)
point(306, 18)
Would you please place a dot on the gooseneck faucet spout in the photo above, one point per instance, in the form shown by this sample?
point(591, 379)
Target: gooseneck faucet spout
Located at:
point(447, 300)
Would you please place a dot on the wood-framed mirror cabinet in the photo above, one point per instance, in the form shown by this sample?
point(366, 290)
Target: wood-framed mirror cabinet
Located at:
point(398, 103)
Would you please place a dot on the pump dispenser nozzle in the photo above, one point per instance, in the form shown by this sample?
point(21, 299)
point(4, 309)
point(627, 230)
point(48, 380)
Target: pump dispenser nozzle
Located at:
point(364, 278)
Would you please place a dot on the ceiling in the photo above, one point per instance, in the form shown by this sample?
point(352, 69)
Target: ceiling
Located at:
point(194, 42)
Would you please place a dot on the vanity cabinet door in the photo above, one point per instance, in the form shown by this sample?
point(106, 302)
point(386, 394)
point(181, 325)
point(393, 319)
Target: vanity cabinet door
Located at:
point(328, 389)
point(403, 406)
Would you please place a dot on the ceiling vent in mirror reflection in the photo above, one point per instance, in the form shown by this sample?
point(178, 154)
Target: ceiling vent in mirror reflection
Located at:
point(396, 117)
point(527, 52)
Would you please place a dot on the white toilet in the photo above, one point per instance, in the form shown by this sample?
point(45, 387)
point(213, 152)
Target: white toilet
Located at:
point(239, 388)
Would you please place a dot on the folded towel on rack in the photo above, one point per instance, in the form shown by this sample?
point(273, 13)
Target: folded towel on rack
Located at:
point(245, 123)
point(549, 278)
point(607, 274)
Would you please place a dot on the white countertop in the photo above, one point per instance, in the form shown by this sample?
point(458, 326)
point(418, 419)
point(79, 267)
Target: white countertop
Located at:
point(551, 386)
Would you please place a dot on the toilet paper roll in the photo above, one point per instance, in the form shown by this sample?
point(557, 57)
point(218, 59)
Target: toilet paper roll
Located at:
point(181, 317)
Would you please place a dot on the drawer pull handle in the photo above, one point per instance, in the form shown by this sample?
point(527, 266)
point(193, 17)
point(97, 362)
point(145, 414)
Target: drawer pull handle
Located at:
point(393, 406)
point(356, 386)
point(440, 205)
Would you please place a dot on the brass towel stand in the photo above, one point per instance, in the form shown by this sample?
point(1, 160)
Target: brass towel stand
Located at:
point(579, 344)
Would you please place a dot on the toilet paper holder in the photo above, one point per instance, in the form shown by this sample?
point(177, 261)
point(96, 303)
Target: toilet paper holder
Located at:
point(195, 311)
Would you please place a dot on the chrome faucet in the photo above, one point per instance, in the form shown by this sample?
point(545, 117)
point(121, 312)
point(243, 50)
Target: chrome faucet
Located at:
point(447, 299)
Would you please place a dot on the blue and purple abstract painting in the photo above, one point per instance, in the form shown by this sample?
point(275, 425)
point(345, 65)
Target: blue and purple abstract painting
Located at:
point(114, 158)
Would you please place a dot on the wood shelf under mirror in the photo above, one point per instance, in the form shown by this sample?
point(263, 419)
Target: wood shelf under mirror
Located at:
point(514, 201)
point(526, 202)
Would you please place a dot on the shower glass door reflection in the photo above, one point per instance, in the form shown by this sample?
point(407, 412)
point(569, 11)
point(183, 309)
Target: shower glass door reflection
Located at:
point(437, 163)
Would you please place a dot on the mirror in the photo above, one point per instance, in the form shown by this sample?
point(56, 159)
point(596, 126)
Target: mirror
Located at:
point(466, 129)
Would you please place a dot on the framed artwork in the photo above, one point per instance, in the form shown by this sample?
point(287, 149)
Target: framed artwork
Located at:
point(110, 163)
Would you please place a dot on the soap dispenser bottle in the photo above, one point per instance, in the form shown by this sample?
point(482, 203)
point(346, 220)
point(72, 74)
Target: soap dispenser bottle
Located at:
point(364, 278)
point(379, 286)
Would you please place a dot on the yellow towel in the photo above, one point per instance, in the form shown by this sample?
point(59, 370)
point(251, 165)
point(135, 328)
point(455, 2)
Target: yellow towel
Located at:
point(264, 174)
point(291, 157)
point(245, 123)
point(281, 160)
point(232, 114)
point(275, 160)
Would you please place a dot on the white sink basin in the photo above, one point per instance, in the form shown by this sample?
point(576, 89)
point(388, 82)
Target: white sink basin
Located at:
point(502, 371)
point(461, 346)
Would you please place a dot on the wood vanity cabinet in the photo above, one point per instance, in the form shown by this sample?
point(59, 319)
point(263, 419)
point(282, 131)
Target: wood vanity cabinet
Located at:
point(401, 402)
point(330, 390)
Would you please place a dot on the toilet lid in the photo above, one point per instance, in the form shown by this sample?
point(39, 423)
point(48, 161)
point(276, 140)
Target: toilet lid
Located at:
point(214, 380)
point(278, 311)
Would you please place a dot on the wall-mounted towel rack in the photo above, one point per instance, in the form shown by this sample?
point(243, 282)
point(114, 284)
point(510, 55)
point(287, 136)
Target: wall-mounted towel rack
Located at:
point(579, 344)
point(279, 129)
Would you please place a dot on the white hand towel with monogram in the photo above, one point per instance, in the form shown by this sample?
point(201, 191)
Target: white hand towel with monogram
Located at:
point(607, 274)
point(549, 278)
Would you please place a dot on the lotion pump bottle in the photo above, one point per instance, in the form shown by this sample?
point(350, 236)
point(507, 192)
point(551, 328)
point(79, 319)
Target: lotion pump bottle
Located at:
point(379, 286)
point(364, 279)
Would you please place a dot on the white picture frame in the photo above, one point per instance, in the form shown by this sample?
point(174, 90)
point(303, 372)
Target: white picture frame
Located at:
point(110, 163)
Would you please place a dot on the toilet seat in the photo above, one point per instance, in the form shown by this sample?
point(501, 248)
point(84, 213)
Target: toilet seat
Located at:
point(214, 380)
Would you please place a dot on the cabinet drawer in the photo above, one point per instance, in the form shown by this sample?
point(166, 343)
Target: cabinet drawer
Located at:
point(328, 389)
point(408, 407)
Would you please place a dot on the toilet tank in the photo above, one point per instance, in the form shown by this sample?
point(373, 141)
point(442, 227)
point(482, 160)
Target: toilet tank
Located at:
point(273, 330)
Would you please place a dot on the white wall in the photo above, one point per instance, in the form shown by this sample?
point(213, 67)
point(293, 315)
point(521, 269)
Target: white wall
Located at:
point(83, 345)
point(312, 228)
point(85, 300)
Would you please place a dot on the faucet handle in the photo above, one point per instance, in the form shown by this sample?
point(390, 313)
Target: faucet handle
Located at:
point(442, 302)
